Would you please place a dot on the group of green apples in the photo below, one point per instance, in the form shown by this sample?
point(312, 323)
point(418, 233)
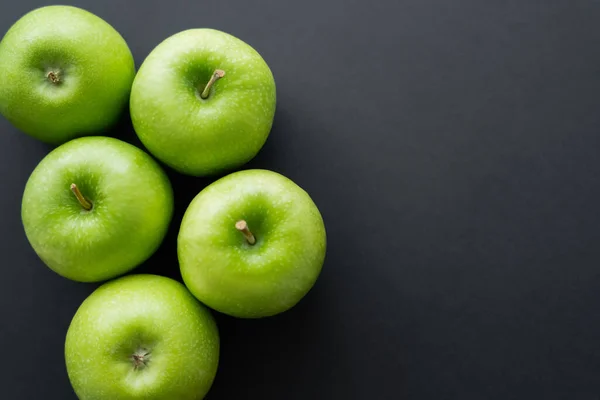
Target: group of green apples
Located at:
point(250, 245)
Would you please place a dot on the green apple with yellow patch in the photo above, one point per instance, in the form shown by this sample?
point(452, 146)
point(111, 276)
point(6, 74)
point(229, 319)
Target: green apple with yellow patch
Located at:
point(252, 244)
point(142, 337)
point(203, 102)
point(96, 207)
point(66, 73)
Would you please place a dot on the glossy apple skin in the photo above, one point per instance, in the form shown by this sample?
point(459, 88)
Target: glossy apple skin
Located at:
point(228, 274)
point(140, 314)
point(198, 136)
point(96, 70)
point(132, 208)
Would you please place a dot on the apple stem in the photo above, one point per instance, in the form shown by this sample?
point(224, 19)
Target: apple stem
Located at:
point(82, 200)
point(140, 359)
point(53, 77)
point(242, 226)
point(218, 74)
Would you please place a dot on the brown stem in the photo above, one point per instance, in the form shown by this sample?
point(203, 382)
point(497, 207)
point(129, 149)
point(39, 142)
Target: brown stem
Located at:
point(86, 204)
point(53, 77)
point(242, 226)
point(218, 74)
point(140, 359)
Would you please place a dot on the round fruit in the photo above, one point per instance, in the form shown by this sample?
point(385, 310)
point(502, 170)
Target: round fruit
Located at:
point(203, 102)
point(142, 337)
point(96, 207)
point(252, 244)
point(66, 73)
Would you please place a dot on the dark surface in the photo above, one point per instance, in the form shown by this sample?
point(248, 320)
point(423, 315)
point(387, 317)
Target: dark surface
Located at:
point(452, 149)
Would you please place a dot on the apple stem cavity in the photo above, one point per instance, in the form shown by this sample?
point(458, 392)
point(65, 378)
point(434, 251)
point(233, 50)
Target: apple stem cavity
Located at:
point(218, 74)
point(53, 77)
point(242, 226)
point(85, 203)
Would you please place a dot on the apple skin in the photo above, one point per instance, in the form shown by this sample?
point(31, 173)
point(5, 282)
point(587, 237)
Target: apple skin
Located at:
point(224, 271)
point(94, 65)
point(196, 136)
point(140, 314)
point(132, 208)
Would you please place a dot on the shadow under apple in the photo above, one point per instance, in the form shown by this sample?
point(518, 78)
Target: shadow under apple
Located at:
point(265, 346)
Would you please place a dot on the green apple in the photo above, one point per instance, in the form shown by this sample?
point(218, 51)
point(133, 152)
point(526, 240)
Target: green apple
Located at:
point(66, 73)
point(96, 207)
point(203, 102)
point(252, 244)
point(142, 337)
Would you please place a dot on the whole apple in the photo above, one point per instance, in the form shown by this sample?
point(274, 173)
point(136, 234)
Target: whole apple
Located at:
point(251, 244)
point(142, 337)
point(203, 102)
point(96, 207)
point(66, 73)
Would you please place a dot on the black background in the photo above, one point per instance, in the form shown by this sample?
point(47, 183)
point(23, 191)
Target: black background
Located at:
point(452, 149)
